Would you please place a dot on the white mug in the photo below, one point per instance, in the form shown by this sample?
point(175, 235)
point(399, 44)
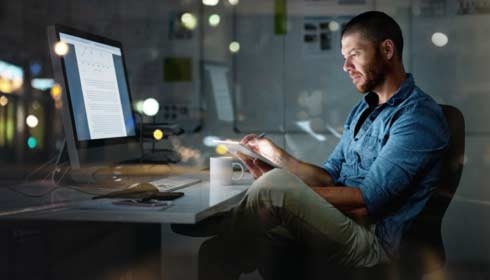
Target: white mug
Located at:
point(221, 171)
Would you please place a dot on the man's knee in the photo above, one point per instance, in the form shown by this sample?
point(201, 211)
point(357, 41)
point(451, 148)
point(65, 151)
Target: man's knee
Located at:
point(276, 183)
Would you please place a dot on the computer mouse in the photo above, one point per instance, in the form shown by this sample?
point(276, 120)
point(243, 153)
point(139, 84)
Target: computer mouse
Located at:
point(142, 187)
point(136, 190)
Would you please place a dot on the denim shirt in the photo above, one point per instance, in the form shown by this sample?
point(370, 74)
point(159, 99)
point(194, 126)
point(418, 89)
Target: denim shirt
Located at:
point(393, 159)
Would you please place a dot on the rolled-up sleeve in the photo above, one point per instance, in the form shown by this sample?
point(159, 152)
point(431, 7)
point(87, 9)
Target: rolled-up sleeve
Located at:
point(416, 142)
point(333, 164)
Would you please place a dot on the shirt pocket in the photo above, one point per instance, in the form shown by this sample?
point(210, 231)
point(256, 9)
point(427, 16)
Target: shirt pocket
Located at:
point(371, 145)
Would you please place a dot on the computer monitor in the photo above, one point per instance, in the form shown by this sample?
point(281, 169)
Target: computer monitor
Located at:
point(98, 120)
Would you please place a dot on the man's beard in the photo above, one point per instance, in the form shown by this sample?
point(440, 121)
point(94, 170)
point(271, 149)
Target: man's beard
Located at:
point(375, 74)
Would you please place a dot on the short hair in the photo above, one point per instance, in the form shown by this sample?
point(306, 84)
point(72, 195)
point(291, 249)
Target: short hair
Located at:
point(377, 27)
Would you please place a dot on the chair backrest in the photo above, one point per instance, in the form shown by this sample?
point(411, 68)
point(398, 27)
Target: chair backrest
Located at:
point(424, 240)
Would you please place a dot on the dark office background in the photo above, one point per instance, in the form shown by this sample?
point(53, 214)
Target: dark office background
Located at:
point(285, 79)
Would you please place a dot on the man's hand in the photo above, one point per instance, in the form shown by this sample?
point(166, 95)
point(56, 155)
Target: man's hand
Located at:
point(310, 174)
point(264, 147)
point(255, 166)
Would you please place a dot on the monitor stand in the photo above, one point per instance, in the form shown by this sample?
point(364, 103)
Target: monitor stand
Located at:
point(150, 164)
point(157, 156)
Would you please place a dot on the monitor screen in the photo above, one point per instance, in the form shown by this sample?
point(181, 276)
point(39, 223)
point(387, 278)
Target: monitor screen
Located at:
point(98, 91)
point(97, 115)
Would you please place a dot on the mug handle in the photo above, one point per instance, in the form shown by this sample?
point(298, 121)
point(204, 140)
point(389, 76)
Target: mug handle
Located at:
point(242, 169)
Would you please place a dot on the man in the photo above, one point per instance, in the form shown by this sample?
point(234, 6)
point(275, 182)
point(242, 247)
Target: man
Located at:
point(354, 209)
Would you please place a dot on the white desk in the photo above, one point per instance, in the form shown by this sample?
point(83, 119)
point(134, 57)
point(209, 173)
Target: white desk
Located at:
point(199, 201)
point(135, 235)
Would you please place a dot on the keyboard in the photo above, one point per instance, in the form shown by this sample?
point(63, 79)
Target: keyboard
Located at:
point(173, 183)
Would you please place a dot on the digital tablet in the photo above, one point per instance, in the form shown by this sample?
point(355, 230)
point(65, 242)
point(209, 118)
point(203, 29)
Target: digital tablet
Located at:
point(234, 146)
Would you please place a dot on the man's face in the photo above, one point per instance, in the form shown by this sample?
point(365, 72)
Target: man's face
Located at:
point(363, 62)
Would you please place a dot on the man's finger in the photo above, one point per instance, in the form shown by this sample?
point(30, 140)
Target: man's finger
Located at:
point(242, 156)
point(250, 164)
point(264, 167)
point(247, 138)
point(254, 170)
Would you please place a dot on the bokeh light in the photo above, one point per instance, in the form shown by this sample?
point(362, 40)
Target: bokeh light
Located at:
point(151, 107)
point(439, 39)
point(4, 101)
point(214, 20)
point(233, 2)
point(189, 21)
point(333, 25)
point(32, 121)
point(210, 2)
point(42, 84)
point(56, 92)
point(32, 142)
point(35, 68)
point(158, 134)
point(138, 106)
point(221, 149)
point(234, 47)
point(36, 105)
point(210, 141)
point(61, 48)
point(11, 77)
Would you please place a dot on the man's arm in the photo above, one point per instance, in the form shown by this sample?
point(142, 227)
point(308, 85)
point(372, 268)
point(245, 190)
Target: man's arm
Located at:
point(311, 174)
point(347, 199)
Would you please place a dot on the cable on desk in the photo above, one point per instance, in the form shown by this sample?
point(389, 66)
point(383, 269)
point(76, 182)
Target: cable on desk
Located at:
point(23, 193)
point(12, 188)
point(51, 178)
point(79, 190)
point(56, 170)
point(57, 205)
point(32, 173)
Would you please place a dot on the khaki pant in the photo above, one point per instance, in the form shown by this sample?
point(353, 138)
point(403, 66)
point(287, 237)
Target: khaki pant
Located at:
point(282, 207)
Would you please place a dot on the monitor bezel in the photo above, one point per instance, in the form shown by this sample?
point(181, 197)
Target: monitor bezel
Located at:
point(113, 43)
point(85, 154)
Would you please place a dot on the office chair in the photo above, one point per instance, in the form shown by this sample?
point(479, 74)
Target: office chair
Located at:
point(422, 249)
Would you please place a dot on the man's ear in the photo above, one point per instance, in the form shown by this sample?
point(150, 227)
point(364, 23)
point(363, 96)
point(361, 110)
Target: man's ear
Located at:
point(388, 49)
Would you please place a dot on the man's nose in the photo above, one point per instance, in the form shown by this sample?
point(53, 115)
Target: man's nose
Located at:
point(347, 65)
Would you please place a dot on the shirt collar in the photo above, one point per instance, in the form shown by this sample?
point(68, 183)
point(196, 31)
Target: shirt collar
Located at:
point(401, 94)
